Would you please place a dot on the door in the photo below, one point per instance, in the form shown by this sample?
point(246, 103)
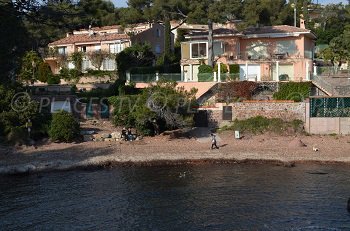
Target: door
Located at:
point(283, 69)
point(201, 118)
point(253, 73)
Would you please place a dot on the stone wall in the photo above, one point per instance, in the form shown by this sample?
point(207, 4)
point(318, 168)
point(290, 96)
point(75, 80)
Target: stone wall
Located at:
point(285, 111)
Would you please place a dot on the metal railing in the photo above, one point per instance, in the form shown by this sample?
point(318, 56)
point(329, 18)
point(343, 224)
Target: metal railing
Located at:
point(143, 78)
point(170, 76)
point(205, 77)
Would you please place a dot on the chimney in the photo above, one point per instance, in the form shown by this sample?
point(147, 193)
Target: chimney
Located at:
point(90, 31)
point(302, 23)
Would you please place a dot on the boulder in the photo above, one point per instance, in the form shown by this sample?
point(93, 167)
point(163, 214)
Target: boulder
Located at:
point(87, 138)
point(87, 132)
point(116, 135)
point(106, 135)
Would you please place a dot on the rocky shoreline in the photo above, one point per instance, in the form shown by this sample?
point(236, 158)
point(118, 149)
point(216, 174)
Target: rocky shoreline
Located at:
point(285, 151)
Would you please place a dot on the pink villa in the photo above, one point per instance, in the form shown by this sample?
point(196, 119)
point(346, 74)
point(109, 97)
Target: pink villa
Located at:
point(112, 39)
point(270, 53)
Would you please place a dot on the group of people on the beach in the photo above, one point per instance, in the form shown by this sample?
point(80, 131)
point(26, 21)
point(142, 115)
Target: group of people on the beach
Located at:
point(127, 134)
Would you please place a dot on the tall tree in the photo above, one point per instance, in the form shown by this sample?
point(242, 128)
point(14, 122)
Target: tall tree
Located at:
point(12, 41)
point(210, 11)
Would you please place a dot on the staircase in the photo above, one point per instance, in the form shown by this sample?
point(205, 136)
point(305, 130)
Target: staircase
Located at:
point(323, 85)
point(208, 94)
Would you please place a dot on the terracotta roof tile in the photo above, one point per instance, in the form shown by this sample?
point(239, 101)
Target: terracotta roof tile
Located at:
point(219, 31)
point(274, 29)
point(84, 38)
point(106, 28)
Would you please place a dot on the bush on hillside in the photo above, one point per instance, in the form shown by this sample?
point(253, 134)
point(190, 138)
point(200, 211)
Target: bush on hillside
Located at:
point(64, 127)
point(44, 72)
point(297, 91)
point(260, 124)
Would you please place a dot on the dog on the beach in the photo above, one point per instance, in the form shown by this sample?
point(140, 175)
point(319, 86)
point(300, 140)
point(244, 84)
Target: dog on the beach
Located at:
point(315, 149)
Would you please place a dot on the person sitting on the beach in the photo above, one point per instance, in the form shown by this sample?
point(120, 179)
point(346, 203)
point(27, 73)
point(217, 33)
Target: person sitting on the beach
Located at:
point(124, 136)
point(130, 136)
point(213, 141)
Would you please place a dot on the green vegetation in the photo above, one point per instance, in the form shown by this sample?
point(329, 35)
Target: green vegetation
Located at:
point(261, 124)
point(293, 91)
point(77, 59)
point(205, 69)
point(44, 72)
point(14, 114)
point(30, 65)
point(161, 106)
point(223, 68)
point(64, 127)
point(235, 91)
point(134, 56)
point(234, 68)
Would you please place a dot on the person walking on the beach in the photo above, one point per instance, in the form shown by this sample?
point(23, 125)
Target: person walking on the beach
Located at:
point(213, 141)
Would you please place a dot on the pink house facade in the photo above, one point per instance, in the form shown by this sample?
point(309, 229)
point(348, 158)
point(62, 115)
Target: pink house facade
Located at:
point(272, 53)
point(111, 39)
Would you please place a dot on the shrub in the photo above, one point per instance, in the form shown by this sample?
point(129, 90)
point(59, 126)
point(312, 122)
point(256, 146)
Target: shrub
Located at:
point(260, 124)
point(293, 91)
point(223, 68)
point(17, 135)
point(77, 59)
point(205, 69)
point(230, 91)
point(64, 127)
point(44, 72)
point(160, 102)
point(74, 74)
point(234, 68)
point(54, 79)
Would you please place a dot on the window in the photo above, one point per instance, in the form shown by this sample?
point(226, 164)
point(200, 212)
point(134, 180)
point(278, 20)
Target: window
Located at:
point(219, 48)
point(83, 49)
point(115, 48)
point(157, 49)
point(158, 33)
point(97, 47)
point(198, 50)
point(62, 50)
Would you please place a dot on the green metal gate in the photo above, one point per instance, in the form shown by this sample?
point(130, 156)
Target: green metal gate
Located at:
point(330, 107)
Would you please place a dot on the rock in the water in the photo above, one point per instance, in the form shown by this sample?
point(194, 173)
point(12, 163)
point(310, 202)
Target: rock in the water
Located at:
point(296, 143)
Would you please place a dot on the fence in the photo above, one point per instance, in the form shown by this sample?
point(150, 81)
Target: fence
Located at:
point(331, 71)
point(142, 78)
point(229, 76)
point(330, 107)
point(205, 77)
point(170, 76)
point(146, 78)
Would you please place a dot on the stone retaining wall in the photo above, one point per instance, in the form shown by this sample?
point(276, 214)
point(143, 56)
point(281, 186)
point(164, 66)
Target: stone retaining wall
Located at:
point(285, 111)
